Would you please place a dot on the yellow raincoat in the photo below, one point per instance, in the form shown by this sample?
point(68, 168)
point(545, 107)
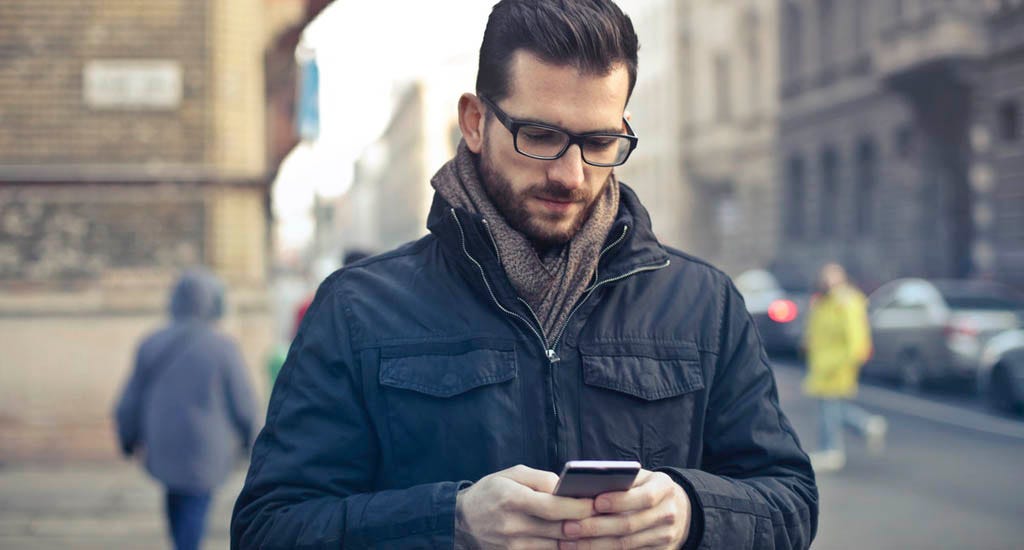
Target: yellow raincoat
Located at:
point(838, 342)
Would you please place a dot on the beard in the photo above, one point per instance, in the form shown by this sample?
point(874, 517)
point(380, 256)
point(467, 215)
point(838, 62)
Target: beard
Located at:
point(545, 232)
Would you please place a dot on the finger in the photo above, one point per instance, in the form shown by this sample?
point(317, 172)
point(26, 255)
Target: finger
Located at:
point(647, 493)
point(662, 537)
point(538, 480)
point(522, 525)
point(530, 543)
point(620, 524)
point(552, 508)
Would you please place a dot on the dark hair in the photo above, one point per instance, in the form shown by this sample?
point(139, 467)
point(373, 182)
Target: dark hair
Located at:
point(353, 255)
point(591, 35)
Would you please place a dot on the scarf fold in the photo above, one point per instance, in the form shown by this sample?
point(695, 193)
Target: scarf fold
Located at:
point(551, 284)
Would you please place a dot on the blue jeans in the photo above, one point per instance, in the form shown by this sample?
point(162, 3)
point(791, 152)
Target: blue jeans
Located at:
point(186, 517)
point(836, 413)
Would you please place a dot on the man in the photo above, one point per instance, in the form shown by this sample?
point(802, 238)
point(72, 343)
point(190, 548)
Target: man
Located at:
point(432, 391)
point(838, 342)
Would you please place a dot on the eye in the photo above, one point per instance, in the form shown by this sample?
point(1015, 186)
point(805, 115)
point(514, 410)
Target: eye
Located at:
point(536, 134)
point(601, 142)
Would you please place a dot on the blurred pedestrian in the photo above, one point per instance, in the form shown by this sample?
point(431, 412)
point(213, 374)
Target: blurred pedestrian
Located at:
point(838, 342)
point(188, 408)
point(433, 391)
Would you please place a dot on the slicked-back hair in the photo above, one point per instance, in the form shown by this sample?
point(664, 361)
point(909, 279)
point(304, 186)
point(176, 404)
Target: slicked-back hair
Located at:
point(590, 35)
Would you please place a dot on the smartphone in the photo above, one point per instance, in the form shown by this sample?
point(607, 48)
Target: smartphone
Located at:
point(589, 478)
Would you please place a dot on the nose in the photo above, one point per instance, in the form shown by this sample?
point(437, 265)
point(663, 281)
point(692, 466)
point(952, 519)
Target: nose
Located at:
point(568, 169)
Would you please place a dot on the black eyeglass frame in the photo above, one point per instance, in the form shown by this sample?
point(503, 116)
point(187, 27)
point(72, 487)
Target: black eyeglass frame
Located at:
point(513, 125)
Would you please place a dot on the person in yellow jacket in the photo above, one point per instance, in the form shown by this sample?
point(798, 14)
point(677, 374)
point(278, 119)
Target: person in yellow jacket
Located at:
point(838, 341)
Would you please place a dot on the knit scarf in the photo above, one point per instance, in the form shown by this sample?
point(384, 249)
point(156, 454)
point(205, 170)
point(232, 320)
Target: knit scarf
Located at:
point(551, 284)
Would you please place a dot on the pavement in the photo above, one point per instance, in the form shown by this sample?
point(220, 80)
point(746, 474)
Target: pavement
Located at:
point(950, 479)
point(95, 506)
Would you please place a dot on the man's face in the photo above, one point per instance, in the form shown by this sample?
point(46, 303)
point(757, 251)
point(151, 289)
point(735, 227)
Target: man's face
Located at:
point(549, 200)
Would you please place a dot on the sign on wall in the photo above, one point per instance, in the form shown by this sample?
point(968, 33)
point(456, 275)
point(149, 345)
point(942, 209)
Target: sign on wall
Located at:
point(132, 84)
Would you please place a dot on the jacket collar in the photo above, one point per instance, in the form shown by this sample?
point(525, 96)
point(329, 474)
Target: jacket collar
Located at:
point(630, 245)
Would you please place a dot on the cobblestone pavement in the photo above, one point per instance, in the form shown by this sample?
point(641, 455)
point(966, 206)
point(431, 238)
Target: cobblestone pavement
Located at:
point(95, 506)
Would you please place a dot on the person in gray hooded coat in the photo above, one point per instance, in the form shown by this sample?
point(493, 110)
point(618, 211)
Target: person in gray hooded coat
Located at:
point(188, 405)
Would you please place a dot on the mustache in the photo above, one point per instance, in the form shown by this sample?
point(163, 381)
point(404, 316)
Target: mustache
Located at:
point(555, 191)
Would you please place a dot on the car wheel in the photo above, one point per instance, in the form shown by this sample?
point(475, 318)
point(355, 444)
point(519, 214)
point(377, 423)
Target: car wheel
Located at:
point(1000, 389)
point(911, 375)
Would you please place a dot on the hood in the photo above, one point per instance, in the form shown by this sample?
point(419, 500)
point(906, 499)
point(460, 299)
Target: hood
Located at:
point(197, 296)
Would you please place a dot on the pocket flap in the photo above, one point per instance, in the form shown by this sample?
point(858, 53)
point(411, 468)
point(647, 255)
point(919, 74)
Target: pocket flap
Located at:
point(447, 370)
point(650, 372)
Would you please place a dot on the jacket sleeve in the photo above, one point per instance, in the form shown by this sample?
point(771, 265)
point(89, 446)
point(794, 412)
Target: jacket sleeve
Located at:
point(310, 482)
point(755, 487)
point(128, 411)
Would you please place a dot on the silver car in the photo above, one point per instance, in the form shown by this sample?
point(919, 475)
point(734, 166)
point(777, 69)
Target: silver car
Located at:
point(926, 331)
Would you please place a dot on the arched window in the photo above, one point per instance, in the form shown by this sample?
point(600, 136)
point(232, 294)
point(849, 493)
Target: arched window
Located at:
point(867, 183)
point(795, 197)
point(828, 204)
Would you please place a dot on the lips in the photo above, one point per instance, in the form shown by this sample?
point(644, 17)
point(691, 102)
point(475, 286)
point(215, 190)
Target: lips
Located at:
point(556, 205)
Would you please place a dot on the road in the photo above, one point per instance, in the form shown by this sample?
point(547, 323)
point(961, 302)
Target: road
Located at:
point(951, 478)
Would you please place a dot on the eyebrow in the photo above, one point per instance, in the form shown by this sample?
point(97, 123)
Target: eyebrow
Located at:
point(617, 131)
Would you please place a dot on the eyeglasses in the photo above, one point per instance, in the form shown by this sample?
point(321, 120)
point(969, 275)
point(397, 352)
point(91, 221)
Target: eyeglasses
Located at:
point(546, 142)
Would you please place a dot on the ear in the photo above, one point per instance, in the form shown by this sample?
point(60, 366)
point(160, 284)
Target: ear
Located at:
point(628, 116)
point(471, 121)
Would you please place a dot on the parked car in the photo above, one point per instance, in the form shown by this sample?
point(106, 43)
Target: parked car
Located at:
point(1001, 372)
point(779, 310)
point(926, 331)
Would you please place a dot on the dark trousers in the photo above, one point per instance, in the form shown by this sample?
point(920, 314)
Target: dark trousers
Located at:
point(186, 517)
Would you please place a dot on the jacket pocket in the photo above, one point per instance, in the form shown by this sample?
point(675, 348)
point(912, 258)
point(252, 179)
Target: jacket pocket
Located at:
point(453, 409)
point(639, 401)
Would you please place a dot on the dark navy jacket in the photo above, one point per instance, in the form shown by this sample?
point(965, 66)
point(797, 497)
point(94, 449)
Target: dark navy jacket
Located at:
point(418, 371)
point(188, 403)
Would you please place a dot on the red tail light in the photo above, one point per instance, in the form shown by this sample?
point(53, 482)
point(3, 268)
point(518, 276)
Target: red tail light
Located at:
point(960, 329)
point(783, 311)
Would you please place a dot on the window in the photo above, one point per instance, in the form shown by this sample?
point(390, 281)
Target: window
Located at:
point(1009, 121)
point(867, 179)
point(723, 101)
point(904, 142)
point(752, 28)
point(829, 204)
point(793, 213)
point(792, 38)
point(827, 33)
point(859, 24)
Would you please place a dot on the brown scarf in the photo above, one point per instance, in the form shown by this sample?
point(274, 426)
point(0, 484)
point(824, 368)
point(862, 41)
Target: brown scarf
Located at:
point(551, 284)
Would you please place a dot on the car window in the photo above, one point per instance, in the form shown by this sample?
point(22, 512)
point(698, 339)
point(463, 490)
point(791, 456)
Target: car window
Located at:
point(980, 301)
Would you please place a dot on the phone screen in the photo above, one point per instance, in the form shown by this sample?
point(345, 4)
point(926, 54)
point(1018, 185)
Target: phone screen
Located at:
point(589, 478)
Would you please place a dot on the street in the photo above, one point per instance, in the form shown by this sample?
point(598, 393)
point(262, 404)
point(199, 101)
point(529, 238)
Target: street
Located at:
point(950, 478)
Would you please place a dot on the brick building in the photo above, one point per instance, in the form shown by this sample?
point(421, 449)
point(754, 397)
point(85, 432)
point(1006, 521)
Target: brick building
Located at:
point(132, 144)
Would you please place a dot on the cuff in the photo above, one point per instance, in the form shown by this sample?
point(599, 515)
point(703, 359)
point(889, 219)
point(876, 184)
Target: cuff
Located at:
point(696, 534)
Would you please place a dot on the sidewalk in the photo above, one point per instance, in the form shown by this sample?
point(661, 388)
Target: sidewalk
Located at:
point(95, 506)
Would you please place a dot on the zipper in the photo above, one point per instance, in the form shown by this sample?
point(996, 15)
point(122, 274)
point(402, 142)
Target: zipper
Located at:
point(483, 275)
point(550, 353)
point(595, 286)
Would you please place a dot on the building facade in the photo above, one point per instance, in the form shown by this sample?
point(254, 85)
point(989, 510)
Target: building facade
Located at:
point(133, 146)
point(873, 149)
point(997, 143)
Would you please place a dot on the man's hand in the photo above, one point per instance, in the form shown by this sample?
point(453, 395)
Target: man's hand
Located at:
point(655, 513)
point(514, 508)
